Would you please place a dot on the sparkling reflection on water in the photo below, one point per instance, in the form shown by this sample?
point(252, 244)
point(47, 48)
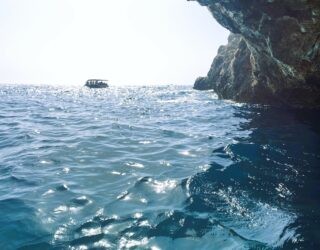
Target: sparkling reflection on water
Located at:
point(154, 168)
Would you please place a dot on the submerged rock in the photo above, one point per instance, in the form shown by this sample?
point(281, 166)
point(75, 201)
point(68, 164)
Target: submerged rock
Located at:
point(273, 52)
point(97, 83)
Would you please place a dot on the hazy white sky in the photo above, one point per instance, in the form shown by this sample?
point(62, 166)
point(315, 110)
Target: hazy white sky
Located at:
point(125, 41)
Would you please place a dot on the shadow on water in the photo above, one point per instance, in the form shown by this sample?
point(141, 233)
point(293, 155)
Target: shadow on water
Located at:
point(260, 192)
point(266, 186)
point(24, 225)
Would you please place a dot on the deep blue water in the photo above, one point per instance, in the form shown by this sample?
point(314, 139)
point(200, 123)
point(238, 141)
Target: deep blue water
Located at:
point(155, 168)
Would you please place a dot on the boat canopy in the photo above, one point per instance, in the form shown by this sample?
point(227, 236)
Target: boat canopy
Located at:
point(93, 81)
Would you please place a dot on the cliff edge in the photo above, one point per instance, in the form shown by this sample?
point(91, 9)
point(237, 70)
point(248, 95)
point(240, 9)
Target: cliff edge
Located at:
point(273, 52)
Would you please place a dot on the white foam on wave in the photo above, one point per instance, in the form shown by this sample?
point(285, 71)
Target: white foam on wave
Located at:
point(163, 186)
point(135, 164)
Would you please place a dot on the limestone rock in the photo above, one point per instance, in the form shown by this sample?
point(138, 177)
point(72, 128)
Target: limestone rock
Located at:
point(273, 52)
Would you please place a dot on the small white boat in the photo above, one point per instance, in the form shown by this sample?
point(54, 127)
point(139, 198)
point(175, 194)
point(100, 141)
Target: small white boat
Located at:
point(96, 83)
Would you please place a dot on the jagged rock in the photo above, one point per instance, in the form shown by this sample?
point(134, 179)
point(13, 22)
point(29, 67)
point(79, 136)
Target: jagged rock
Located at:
point(273, 52)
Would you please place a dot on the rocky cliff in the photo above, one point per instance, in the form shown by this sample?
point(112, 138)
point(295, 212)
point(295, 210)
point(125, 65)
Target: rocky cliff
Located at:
point(273, 53)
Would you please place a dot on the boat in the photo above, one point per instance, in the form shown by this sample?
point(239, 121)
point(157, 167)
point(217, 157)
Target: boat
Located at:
point(97, 83)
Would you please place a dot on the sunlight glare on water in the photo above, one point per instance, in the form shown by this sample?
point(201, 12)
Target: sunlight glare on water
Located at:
point(154, 168)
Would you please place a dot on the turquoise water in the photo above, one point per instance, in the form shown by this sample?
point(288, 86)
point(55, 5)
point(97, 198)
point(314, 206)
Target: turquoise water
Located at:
point(155, 168)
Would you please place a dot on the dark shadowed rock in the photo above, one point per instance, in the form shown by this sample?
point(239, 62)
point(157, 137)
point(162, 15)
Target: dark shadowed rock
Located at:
point(273, 52)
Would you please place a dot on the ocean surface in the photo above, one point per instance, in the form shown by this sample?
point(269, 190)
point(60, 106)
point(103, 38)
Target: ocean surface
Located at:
point(155, 168)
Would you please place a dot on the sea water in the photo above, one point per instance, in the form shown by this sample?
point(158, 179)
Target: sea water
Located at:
point(155, 168)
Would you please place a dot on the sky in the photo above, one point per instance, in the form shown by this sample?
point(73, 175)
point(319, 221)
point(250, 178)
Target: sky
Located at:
point(139, 42)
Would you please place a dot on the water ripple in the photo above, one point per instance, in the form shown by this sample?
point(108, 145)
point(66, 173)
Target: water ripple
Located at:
point(154, 168)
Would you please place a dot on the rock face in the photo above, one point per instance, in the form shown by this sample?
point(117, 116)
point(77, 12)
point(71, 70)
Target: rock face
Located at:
point(273, 53)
